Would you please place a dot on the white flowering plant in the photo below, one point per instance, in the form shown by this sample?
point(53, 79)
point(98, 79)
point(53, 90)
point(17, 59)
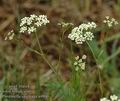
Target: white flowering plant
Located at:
point(81, 79)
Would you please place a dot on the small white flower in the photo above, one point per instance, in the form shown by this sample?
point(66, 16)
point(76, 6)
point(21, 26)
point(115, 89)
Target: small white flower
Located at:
point(10, 35)
point(31, 23)
point(113, 97)
point(79, 63)
point(107, 17)
point(77, 57)
point(23, 29)
point(83, 66)
point(100, 66)
point(33, 16)
point(110, 21)
point(89, 35)
point(31, 30)
point(104, 99)
point(38, 24)
point(80, 60)
point(75, 63)
point(24, 21)
point(82, 33)
point(77, 68)
point(84, 57)
point(118, 99)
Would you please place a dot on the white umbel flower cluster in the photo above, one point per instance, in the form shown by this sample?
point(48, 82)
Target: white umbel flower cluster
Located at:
point(110, 21)
point(31, 23)
point(10, 35)
point(83, 33)
point(112, 98)
point(79, 62)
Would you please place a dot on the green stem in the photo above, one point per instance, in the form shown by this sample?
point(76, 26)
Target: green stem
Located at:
point(99, 74)
point(41, 53)
point(92, 52)
point(62, 45)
